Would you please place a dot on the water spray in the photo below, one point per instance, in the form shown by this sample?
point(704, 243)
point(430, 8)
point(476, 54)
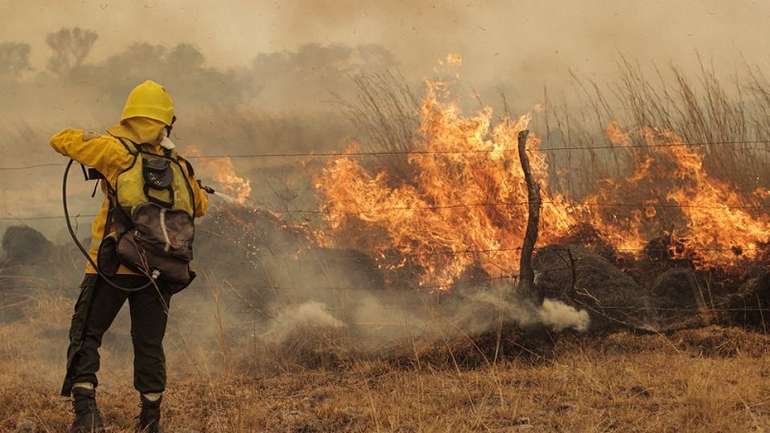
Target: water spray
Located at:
point(225, 197)
point(216, 193)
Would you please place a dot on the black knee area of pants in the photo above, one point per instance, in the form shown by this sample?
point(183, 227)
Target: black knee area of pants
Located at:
point(96, 309)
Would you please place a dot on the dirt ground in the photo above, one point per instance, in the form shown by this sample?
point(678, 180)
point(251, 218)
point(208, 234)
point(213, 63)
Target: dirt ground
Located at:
point(706, 380)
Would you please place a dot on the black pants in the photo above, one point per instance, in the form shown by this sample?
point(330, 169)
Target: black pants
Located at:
point(95, 310)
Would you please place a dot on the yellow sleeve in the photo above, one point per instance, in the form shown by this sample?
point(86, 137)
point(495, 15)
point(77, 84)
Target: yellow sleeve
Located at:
point(201, 196)
point(103, 152)
point(201, 200)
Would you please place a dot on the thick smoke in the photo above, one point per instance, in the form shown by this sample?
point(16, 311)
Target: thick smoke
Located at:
point(377, 325)
point(525, 43)
point(336, 299)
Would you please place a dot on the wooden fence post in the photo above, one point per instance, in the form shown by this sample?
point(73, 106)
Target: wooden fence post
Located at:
point(526, 286)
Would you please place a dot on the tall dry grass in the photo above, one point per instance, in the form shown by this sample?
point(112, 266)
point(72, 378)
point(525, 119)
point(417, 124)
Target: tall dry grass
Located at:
point(701, 106)
point(726, 115)
point(384, 116)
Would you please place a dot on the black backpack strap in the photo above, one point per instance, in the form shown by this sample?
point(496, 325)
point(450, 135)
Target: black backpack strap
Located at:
point(130, 146)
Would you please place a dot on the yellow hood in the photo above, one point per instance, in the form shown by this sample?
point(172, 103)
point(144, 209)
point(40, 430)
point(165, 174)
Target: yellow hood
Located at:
point(140, 130)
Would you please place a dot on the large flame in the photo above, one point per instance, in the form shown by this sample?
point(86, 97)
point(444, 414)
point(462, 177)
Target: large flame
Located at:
point(465, 205)
point(708, 221)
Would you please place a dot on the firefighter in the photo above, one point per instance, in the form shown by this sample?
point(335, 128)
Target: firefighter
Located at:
point(140, 249)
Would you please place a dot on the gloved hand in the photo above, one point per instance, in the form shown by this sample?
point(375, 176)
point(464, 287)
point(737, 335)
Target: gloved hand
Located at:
point(208, 189)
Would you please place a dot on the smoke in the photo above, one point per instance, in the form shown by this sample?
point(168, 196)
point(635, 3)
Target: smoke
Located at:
point(552, 313)
point(560, 316)
point(376, 321)
point(292, 293)
point(311, 314)
point(525, 42)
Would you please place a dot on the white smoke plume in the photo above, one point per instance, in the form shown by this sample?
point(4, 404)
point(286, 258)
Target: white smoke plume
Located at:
point(311, 314)
point(552, 314)
point(379, 321)
point(560, 316)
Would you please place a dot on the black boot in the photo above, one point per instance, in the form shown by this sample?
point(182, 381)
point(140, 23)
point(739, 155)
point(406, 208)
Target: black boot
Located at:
point(149, 417)
point(87, 417)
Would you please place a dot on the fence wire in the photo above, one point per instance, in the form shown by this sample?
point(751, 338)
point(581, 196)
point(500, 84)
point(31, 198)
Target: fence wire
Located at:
point(456, 206)
point(426, 152)
point(23, 218)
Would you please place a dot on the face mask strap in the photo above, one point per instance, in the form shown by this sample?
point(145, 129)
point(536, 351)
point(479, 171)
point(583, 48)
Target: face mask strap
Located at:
point(169, 128)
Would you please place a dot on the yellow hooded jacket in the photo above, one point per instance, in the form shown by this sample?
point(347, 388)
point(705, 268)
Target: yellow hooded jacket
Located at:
point(110, 157)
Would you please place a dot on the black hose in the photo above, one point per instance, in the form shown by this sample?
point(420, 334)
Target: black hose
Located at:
point(80, 245)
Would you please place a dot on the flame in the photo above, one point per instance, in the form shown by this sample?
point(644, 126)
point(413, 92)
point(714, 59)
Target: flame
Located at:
point(223, 173)
point(720, 228)
point(707, 220)
point(617, 135)
point(463, 207)
point(454, 59)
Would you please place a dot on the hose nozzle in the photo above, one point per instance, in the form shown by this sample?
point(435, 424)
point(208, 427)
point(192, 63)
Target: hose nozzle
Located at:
point(208, 189)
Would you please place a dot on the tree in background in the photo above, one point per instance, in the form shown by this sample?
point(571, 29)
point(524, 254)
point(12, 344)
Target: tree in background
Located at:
point(181, 68)
point(315, 74)
point(70, 48)
point(14, 58)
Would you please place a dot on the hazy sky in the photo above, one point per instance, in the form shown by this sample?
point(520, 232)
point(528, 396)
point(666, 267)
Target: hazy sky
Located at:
point(498, 39)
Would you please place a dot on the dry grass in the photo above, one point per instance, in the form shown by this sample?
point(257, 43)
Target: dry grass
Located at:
point(703, 106)
point(583, 390)
point(706, 380)
point(384, 116)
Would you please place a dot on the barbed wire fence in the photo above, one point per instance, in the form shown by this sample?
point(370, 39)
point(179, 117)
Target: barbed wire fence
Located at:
point(427, 152)
point(314, 155)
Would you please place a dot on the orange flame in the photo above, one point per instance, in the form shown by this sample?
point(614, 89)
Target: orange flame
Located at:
point(464, 207)
point(708, 221)
point(720, 228)
point(223, 173)
point(454, 59)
